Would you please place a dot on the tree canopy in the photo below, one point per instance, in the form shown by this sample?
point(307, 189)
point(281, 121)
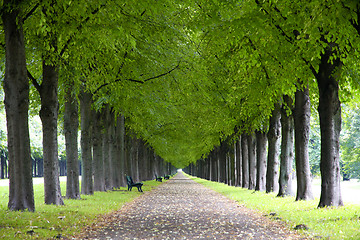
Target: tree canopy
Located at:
point(187, 74)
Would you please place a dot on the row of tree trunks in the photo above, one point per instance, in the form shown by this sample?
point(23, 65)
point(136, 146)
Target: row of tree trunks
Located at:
point(109, 152)
point(248, 163)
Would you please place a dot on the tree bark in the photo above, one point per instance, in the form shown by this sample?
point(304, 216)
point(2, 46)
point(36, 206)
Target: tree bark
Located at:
point(252, 161)
point(213, 166)
point(134, 155)
point(120, 144)
point(141, 160)
point(16, 87)
point(287, 149)
point(272, 172)
point(49, 116)
point(302, 114)
point(330, 127)
point(245, 161)
point(71, 127)
point(87, 185)
point(261, 147)
point(222, 162)
point(98, 162)
point(232, 164)
point(238, 162)
point(107, 161)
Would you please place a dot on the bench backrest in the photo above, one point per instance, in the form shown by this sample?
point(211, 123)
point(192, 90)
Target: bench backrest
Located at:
point(129, 180)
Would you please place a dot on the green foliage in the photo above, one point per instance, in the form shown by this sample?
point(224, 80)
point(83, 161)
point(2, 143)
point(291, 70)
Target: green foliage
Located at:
point(187, 74)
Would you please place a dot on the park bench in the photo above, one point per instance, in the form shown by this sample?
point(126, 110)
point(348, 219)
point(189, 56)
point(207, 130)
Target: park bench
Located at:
point(167, 177)
point(131, 184)
point(159, 179)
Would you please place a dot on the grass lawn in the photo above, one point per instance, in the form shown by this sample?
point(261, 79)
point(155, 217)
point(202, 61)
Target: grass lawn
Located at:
point(50, 221)
point(329, 223)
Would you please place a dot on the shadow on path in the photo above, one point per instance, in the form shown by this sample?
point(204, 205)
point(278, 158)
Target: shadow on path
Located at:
point(184, 209)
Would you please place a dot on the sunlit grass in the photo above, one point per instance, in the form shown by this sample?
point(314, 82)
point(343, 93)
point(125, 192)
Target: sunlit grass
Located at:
point(49, 221)
point(328, 223)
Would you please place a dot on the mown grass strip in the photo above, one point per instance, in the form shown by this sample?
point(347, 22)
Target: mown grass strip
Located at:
point(327, 223)
point(50, 221)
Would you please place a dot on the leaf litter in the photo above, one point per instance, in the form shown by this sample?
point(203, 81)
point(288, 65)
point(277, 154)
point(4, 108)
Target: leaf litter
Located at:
point(184, 209)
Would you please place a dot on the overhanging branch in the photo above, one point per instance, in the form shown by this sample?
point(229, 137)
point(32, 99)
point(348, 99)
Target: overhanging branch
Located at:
point(136, 80)
point(33, 80)
point(30, 12)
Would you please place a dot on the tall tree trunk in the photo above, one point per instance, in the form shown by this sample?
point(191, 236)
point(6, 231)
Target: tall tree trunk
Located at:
point(261, 153)
point(128, 147)
point(106, 147)
point(156, 170)
point(272, 171)
point(134, 158)
point(287, 150)
point(302, 114)
point(245, 161)
point(222, 161)
point(16, 87)
point(232, 164)
point(113, 152)
point(141, 160)
point(87, 185)
point(49, 116)
point(252, 161)
point(238, 162)
point(213, 166)
point(330, 127)
point(71, 127)
point(98, 162)
point(120, 144)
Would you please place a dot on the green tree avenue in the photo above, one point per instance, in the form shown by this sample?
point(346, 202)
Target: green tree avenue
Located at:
point(204, 84)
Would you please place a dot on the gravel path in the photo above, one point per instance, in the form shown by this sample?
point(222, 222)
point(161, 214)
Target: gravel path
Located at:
point(184, 209)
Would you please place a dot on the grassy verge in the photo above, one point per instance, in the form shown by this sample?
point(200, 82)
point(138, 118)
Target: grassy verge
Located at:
point(329, 223)
point(50, 221)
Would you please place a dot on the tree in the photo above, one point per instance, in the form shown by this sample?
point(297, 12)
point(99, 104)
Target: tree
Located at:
point(287, 149)
point(238, 162)
point(97, 142)
point(261, 160)
point(330, 127)
point(273, 136)
point(302, 132)
point(87, 184)
point(71, 127)
point(252, 160)
point(16, 86)
point(245, 161)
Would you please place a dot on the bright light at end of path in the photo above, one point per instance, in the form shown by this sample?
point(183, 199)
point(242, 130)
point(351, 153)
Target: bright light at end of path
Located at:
point(179, 170)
